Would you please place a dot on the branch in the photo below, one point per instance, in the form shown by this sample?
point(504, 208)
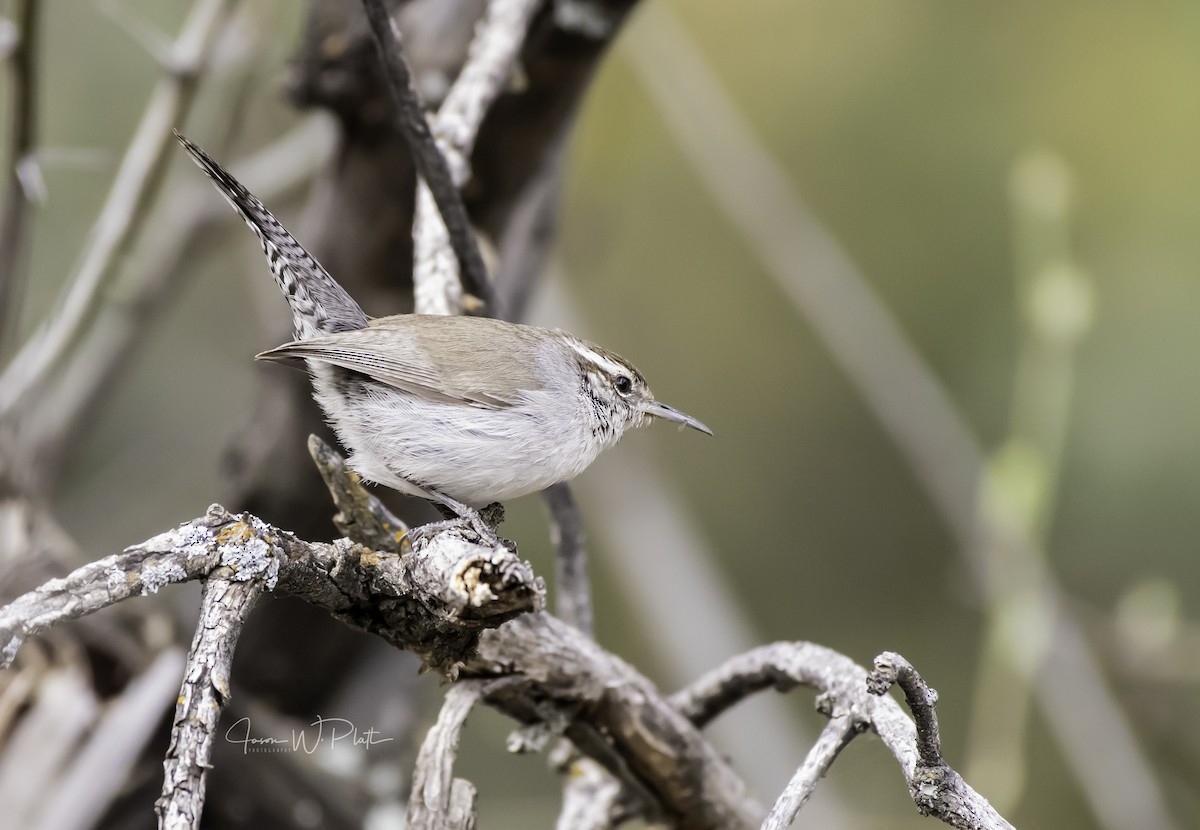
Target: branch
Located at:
point(572, 591)
point(836, 735)
point(439, 801)
point(490, 60)
point(851, 698)
point(435, 600)
point(935, 787)
point(229, 596)
point(431, 164)
point(135, 184)
point(18, 151)
point(616, 716)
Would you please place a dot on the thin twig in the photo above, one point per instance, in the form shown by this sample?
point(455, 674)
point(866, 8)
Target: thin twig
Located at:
point(18, 151)
point(135, 184)
point(427, 157)
point(490, 59)
point(936, 788)
point(572, 590)
point(833, 739)
point(227, 601)
point(439, 801)
point(891, 668)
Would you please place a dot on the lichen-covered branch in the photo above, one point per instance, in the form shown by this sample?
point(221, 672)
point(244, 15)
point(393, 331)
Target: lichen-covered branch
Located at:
point(434, 601)
point(229, 596)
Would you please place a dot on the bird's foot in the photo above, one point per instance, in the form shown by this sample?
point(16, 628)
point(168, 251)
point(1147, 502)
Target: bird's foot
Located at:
point(483, 522)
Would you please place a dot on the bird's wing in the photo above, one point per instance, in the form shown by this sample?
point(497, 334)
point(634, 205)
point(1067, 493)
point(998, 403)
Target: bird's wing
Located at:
point(397, 360)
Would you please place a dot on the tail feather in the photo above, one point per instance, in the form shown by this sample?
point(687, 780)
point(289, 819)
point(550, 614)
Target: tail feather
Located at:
point(319, 305)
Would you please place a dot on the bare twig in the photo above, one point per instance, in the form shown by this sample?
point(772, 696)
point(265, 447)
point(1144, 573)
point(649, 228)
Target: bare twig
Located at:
point(559, 677)
point(833, 739)
point(891, 668)
point(136, 182)
point(228, 598)
point(431, 164)
point(843, 696)
point(572, 591)
point(935, 787)
point(490, 59)
point(439, 801)
point(18, 151)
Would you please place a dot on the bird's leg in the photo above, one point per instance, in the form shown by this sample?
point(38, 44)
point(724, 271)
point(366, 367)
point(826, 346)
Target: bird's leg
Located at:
point(482, 522)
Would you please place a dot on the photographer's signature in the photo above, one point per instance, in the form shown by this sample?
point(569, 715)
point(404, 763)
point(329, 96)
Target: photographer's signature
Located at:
point(329, 731)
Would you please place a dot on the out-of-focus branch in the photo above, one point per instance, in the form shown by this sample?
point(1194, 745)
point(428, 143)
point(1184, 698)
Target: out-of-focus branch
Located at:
point(490, 60)
point(833, 739)
point(65, 403)
point(18, 155)
point(572, 590)
point(228, 598)
point(815, 272)
point(427, 157)
point(439, 801)
point(136, 182)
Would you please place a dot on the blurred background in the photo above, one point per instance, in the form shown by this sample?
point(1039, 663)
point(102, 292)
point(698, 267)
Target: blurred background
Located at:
point(758, 197)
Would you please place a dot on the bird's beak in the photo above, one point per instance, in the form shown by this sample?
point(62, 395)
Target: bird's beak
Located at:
point(670, 413)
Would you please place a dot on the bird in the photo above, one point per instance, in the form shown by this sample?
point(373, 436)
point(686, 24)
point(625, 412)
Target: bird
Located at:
point(461, 411)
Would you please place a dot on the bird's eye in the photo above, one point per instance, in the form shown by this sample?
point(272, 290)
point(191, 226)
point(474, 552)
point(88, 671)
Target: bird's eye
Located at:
point(623, 384)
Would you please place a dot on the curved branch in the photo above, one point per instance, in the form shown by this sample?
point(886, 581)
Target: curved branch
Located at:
point(852, 699)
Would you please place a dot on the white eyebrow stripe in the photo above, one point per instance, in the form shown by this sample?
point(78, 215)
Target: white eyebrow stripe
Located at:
point(600, 360)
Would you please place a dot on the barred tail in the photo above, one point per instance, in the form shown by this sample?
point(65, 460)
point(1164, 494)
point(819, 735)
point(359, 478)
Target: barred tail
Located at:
point(319, 305)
